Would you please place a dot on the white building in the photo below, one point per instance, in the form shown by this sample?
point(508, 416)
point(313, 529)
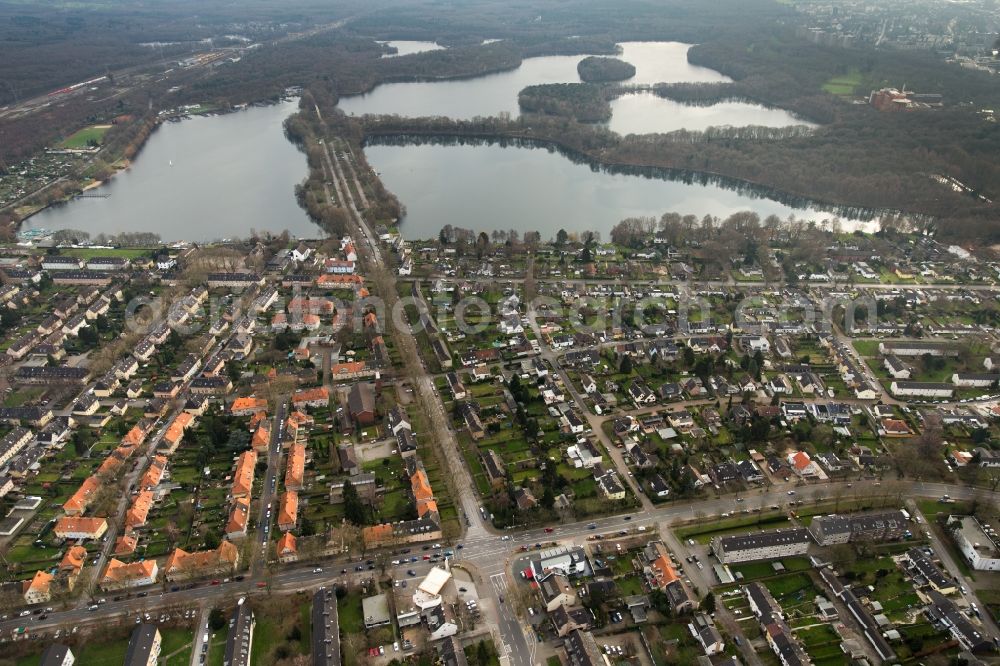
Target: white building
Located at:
point(975, 379)
point(921, 389)
point(428, 594)
point(979, 547)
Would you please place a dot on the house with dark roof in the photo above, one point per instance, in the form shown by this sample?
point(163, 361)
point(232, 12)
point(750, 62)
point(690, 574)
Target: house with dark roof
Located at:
point(240, 639)
point(144, 646)
point(361, 403)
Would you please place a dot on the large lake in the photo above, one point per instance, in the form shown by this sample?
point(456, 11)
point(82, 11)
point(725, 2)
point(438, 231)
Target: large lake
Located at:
point(491, 95)
point(486, 187)
point(201, 179)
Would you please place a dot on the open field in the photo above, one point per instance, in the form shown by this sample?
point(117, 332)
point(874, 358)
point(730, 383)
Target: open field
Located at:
point(845, 84)
point(90, 252)
point(85, 137)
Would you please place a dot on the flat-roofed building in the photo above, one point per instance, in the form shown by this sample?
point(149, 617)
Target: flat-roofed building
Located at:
point(977, 545)
point(375, 611)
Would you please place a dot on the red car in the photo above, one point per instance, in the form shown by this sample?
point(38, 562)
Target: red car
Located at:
point(215, 582)
point(261, 584)
point(550, 530)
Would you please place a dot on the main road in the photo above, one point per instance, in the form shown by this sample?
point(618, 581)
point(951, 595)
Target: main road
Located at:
point(487, 554)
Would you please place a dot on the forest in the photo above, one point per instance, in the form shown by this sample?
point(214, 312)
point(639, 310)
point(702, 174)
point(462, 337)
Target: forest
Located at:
point(598, 70)
point(585, 102)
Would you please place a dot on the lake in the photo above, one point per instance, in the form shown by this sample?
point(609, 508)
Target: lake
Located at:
point(201, 179)
point(647, 113)
point(489, 186)
point(409, 47)
point(493, 94)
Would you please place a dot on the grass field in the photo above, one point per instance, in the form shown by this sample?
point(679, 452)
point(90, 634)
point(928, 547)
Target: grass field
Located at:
point(705, 531)
point(84, 137)
point(90, 252)
point(23, 395)
point(177, 643)
point(844, 84)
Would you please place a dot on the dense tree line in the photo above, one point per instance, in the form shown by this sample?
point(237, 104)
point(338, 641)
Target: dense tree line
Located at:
point(597, 70)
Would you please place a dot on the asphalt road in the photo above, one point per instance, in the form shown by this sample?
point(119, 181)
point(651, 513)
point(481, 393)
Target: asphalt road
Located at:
point(267, 512)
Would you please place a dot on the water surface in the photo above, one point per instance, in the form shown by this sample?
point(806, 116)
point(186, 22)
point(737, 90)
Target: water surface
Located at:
point(496, 94)
point(647, 113)
point(486, 187)
point(463, 99)
point(665, 62)
point(409, 47)
point(201, 179)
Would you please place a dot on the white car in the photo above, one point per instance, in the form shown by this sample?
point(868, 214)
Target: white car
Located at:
point(318, 570)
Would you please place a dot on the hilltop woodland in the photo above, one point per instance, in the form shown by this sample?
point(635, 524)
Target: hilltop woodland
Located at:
point(599, 70)
point(856, 157)
point(585, 102)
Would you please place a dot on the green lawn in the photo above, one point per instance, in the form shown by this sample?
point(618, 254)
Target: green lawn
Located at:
point(843, 85)
point(629, 585)
point(84, 137)
point(305, 622)
point(99, 653)
point(789, 586)
point(265, 636)
point(349, 612)
point(89, 252)
point(703, 532)
point(23, 395)
point(868, 348)
point(176, 641)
